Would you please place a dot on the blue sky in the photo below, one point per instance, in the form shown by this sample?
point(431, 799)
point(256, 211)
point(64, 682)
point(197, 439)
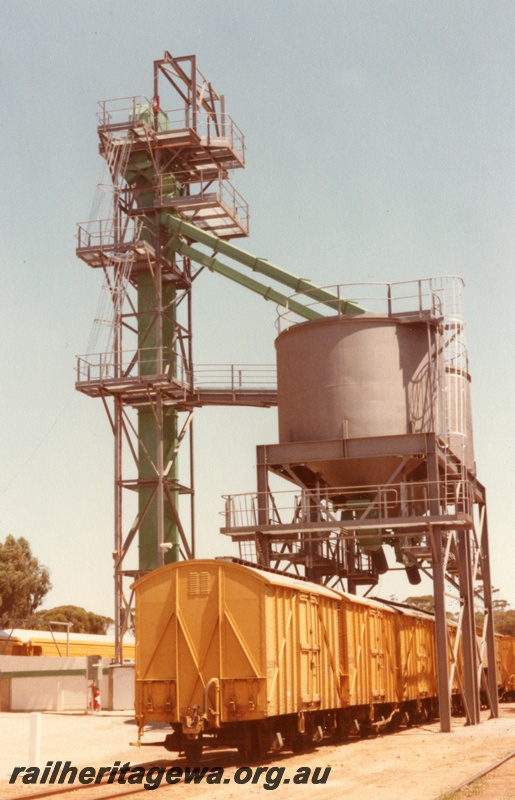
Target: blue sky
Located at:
point(380, 142)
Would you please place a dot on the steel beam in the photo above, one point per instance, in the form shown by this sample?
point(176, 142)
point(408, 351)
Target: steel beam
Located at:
point(489, 614)
point(468, 629)
point(262, 542)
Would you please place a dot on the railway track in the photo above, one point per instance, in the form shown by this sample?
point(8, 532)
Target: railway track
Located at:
point(228, 760)
point(470, 781)
point(93, 791)
point(414, 743)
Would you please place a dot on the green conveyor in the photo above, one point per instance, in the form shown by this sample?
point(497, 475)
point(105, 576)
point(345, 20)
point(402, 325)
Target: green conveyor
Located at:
point(156, 339)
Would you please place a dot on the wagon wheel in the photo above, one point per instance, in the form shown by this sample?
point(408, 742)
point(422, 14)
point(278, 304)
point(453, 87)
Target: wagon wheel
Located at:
point(298, 743)
point(170, 742)
point(340, 733)
point(260, 740)
point(245, 748)
point(193, 751)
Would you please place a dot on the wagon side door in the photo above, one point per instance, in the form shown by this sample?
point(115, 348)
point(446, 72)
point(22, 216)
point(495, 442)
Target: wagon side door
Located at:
point(377, 655)
point(309, 650)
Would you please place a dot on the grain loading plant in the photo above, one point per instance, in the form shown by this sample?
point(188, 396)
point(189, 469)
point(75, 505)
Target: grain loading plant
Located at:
point(375, 437)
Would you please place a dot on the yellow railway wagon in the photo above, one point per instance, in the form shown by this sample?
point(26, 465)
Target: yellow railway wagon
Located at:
point(235, 656)
point(418, 670)
point(370, 658)
point(54, 644)
point(505, 651)
point(11, 645)
point(388, 666)
point(219, 644)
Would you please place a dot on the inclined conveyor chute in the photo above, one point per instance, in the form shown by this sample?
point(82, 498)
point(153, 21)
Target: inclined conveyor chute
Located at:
point(300, 285)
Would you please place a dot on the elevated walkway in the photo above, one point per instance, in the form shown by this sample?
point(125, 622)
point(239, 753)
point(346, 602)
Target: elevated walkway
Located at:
point(200, 148)
point(204, 385)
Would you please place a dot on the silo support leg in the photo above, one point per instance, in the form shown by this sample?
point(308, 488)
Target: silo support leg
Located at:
point(442, 647)
point(489, 618)
point(468, 631)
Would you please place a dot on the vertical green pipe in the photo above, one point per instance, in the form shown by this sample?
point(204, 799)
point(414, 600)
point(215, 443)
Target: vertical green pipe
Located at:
point(149, 429)
point(157, 424)
point(153, 328)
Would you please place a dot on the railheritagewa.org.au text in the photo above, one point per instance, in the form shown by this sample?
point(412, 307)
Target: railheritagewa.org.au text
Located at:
point(59, 773)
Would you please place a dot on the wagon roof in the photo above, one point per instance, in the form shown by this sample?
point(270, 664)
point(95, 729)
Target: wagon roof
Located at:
point(267, 577)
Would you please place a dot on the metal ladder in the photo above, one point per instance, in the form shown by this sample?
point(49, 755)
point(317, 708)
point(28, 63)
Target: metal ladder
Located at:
point(118, 268)
point(110, 305)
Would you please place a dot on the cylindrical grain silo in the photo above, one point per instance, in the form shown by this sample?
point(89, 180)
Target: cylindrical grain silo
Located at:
point(356, 376)
point(368, 375)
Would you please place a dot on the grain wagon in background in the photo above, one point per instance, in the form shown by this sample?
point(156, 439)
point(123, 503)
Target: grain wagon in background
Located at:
point(11, 645)
point(21, 642)
point(505, 650)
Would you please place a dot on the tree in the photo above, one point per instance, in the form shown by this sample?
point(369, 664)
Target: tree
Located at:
point(24, 582)
point(504, 617)
point(504, 622)
point(82, 621)
point(425, 602)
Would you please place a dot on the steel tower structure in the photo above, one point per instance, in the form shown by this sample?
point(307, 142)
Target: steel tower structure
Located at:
point(167, 166)
point(160, 163)
point(168, 173)
point(375, 435)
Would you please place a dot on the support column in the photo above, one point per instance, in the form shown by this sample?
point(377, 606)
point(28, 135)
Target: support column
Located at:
point(119, 623)
point(262, 543)
point(442, 646)
point(468, 630)
point(489, 614)
point(157, 429)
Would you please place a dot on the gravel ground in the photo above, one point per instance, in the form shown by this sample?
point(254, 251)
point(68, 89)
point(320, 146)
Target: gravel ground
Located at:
point(415, 764)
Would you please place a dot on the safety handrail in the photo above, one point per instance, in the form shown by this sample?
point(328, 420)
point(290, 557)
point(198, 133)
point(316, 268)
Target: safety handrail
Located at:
point(438, 297)
point(101, 367)
point(125, 112)
point(362, 506)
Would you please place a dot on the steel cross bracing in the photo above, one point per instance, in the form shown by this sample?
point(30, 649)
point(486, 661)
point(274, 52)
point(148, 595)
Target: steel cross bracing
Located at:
point(171, 194)
point(430, 511)
point(427, 504)
point(169, 168)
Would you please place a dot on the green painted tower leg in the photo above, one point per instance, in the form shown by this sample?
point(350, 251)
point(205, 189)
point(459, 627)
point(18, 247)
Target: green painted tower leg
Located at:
point(157, 428)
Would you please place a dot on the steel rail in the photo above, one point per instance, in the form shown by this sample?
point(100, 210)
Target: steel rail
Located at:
point(226, 761)
point(451, 792)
